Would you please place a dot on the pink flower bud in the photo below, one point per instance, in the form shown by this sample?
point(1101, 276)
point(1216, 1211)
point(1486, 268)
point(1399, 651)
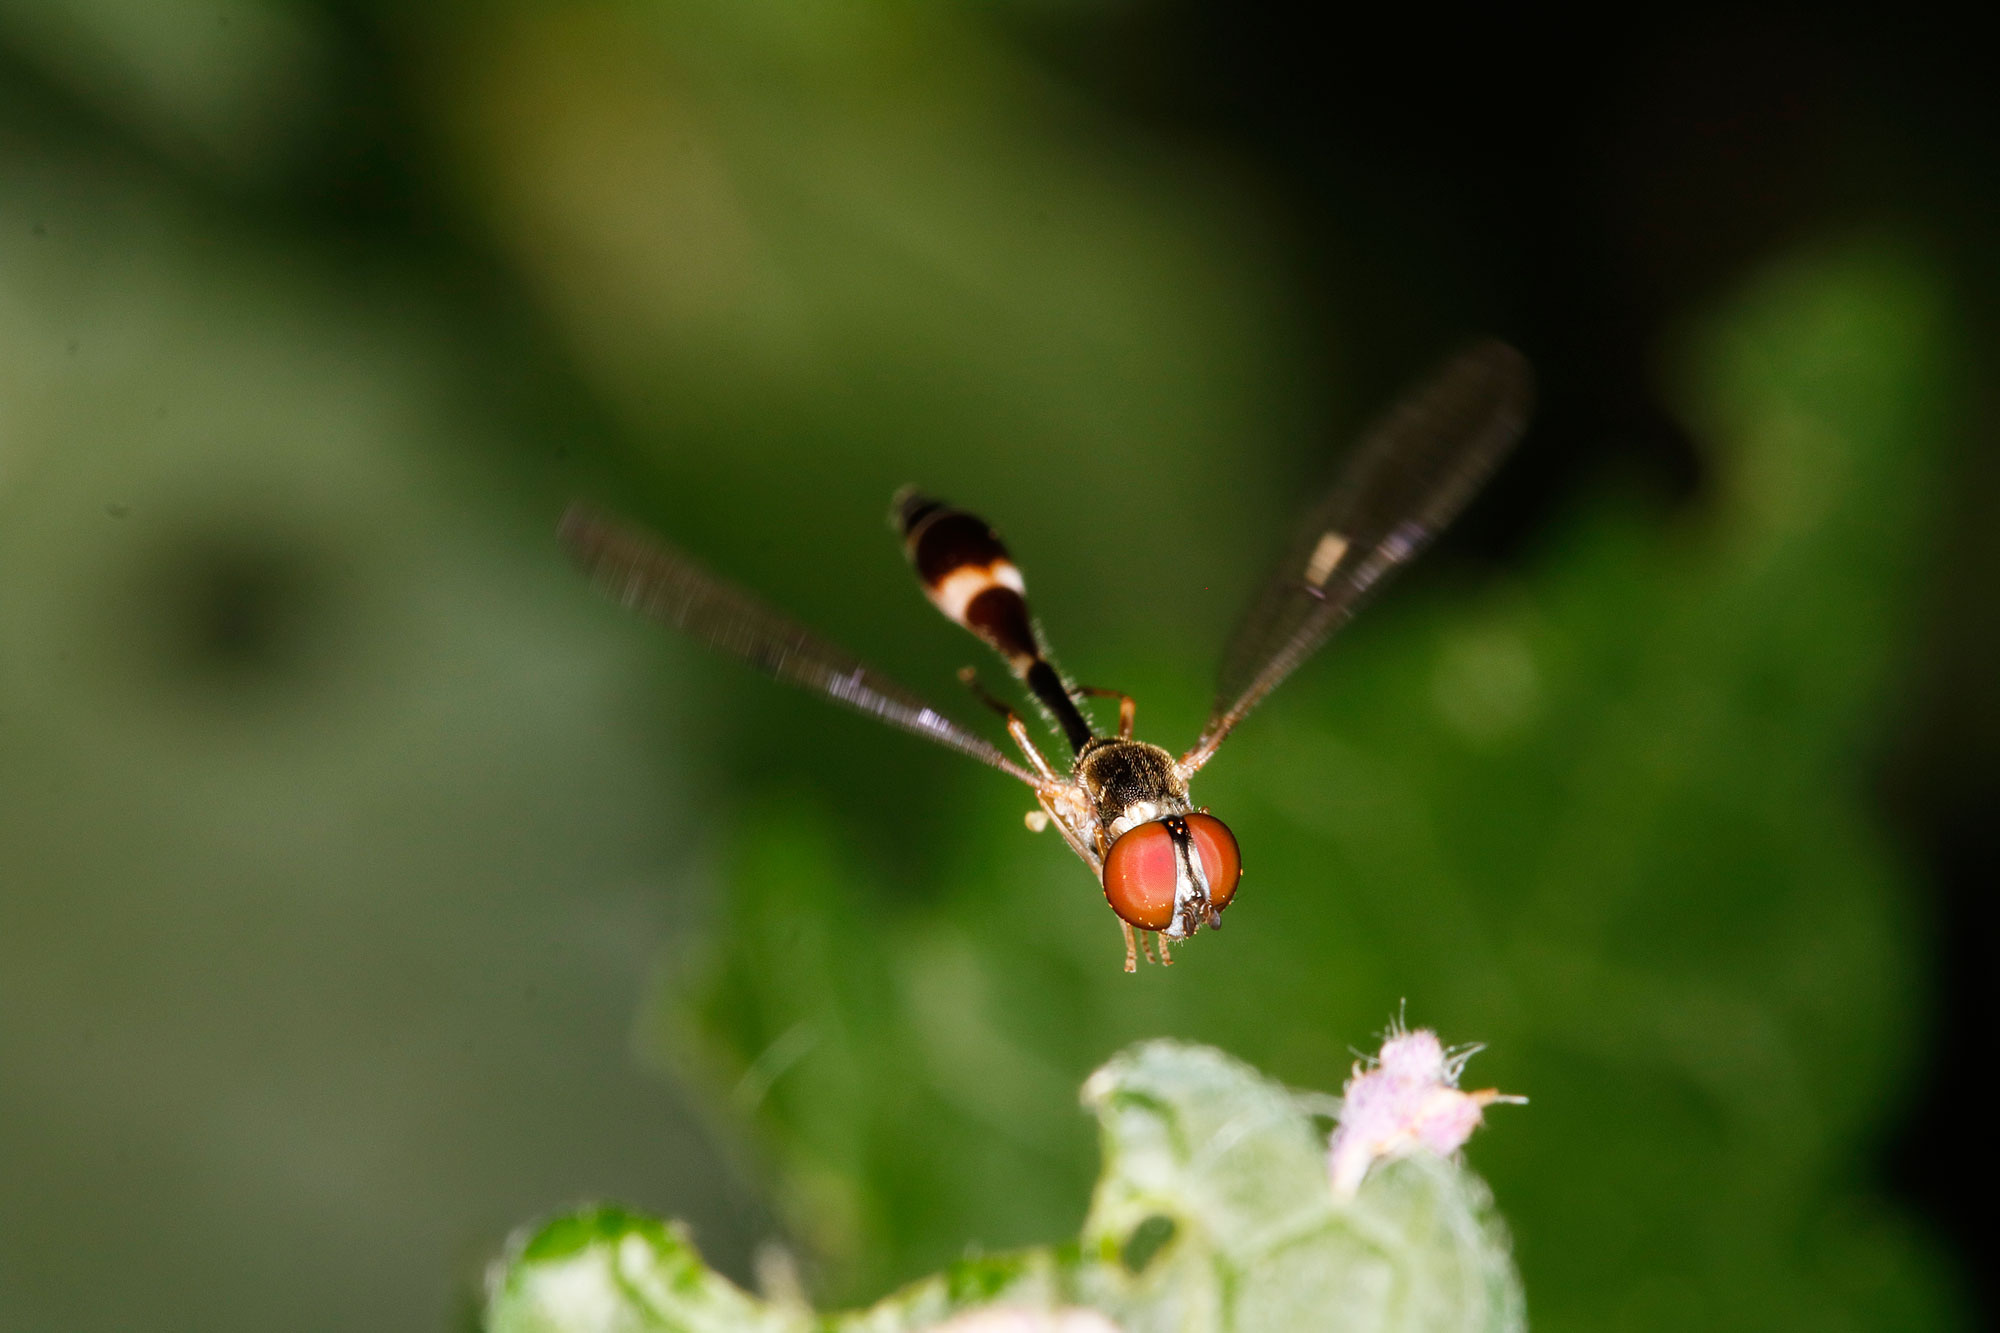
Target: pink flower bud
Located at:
point(1406, 1098)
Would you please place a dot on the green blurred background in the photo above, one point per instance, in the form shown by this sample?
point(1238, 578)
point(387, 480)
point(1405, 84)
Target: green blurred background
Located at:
point(367, 886)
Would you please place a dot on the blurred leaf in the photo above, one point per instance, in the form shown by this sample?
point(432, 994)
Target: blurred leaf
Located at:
point(1213, 1212)
point(812, 252)
point(330, 854)
point(611, 1271)
point(234, 86)
point(1611, 815)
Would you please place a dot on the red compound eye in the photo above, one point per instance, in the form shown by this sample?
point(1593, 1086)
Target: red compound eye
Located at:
point(1139, 873)
point(1220, 859)
point(1139, 877)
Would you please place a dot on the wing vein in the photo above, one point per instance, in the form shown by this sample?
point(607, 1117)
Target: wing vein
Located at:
point(646, 575)
point(1410, 475)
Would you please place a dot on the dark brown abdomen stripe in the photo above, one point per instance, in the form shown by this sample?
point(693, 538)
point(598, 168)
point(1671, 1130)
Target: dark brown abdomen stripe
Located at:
point(966, 572)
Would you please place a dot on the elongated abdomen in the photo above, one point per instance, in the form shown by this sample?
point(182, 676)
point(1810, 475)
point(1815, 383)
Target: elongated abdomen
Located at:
point(967, 573)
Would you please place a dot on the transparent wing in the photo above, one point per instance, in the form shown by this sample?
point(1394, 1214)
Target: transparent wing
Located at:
point(647, 576)
point(1409, 477)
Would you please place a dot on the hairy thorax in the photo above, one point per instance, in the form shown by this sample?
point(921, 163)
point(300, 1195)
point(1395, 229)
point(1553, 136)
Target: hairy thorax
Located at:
point(1129, 783)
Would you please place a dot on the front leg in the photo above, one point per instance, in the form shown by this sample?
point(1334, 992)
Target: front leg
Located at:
point(1128, 709)
point(1015, 727)
point(1142, 943)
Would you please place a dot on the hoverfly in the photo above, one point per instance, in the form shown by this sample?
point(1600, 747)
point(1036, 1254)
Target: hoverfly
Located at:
point(1166, 866)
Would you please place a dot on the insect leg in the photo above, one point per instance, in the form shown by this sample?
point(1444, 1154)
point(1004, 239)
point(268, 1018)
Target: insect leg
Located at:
point(969, 677)
point(1128, 708)
point(1019, 731)
point(1131, 947)
point(1015, 727)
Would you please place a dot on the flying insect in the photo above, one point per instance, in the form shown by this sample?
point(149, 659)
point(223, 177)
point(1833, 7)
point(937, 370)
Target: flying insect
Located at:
point(1166, 866)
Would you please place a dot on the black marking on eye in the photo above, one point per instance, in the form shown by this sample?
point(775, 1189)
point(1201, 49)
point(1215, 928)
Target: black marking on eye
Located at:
point(1188, 866)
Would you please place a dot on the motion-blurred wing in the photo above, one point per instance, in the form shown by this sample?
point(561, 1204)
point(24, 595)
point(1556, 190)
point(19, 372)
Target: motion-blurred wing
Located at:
point(649, 577)
point(1409, 476)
